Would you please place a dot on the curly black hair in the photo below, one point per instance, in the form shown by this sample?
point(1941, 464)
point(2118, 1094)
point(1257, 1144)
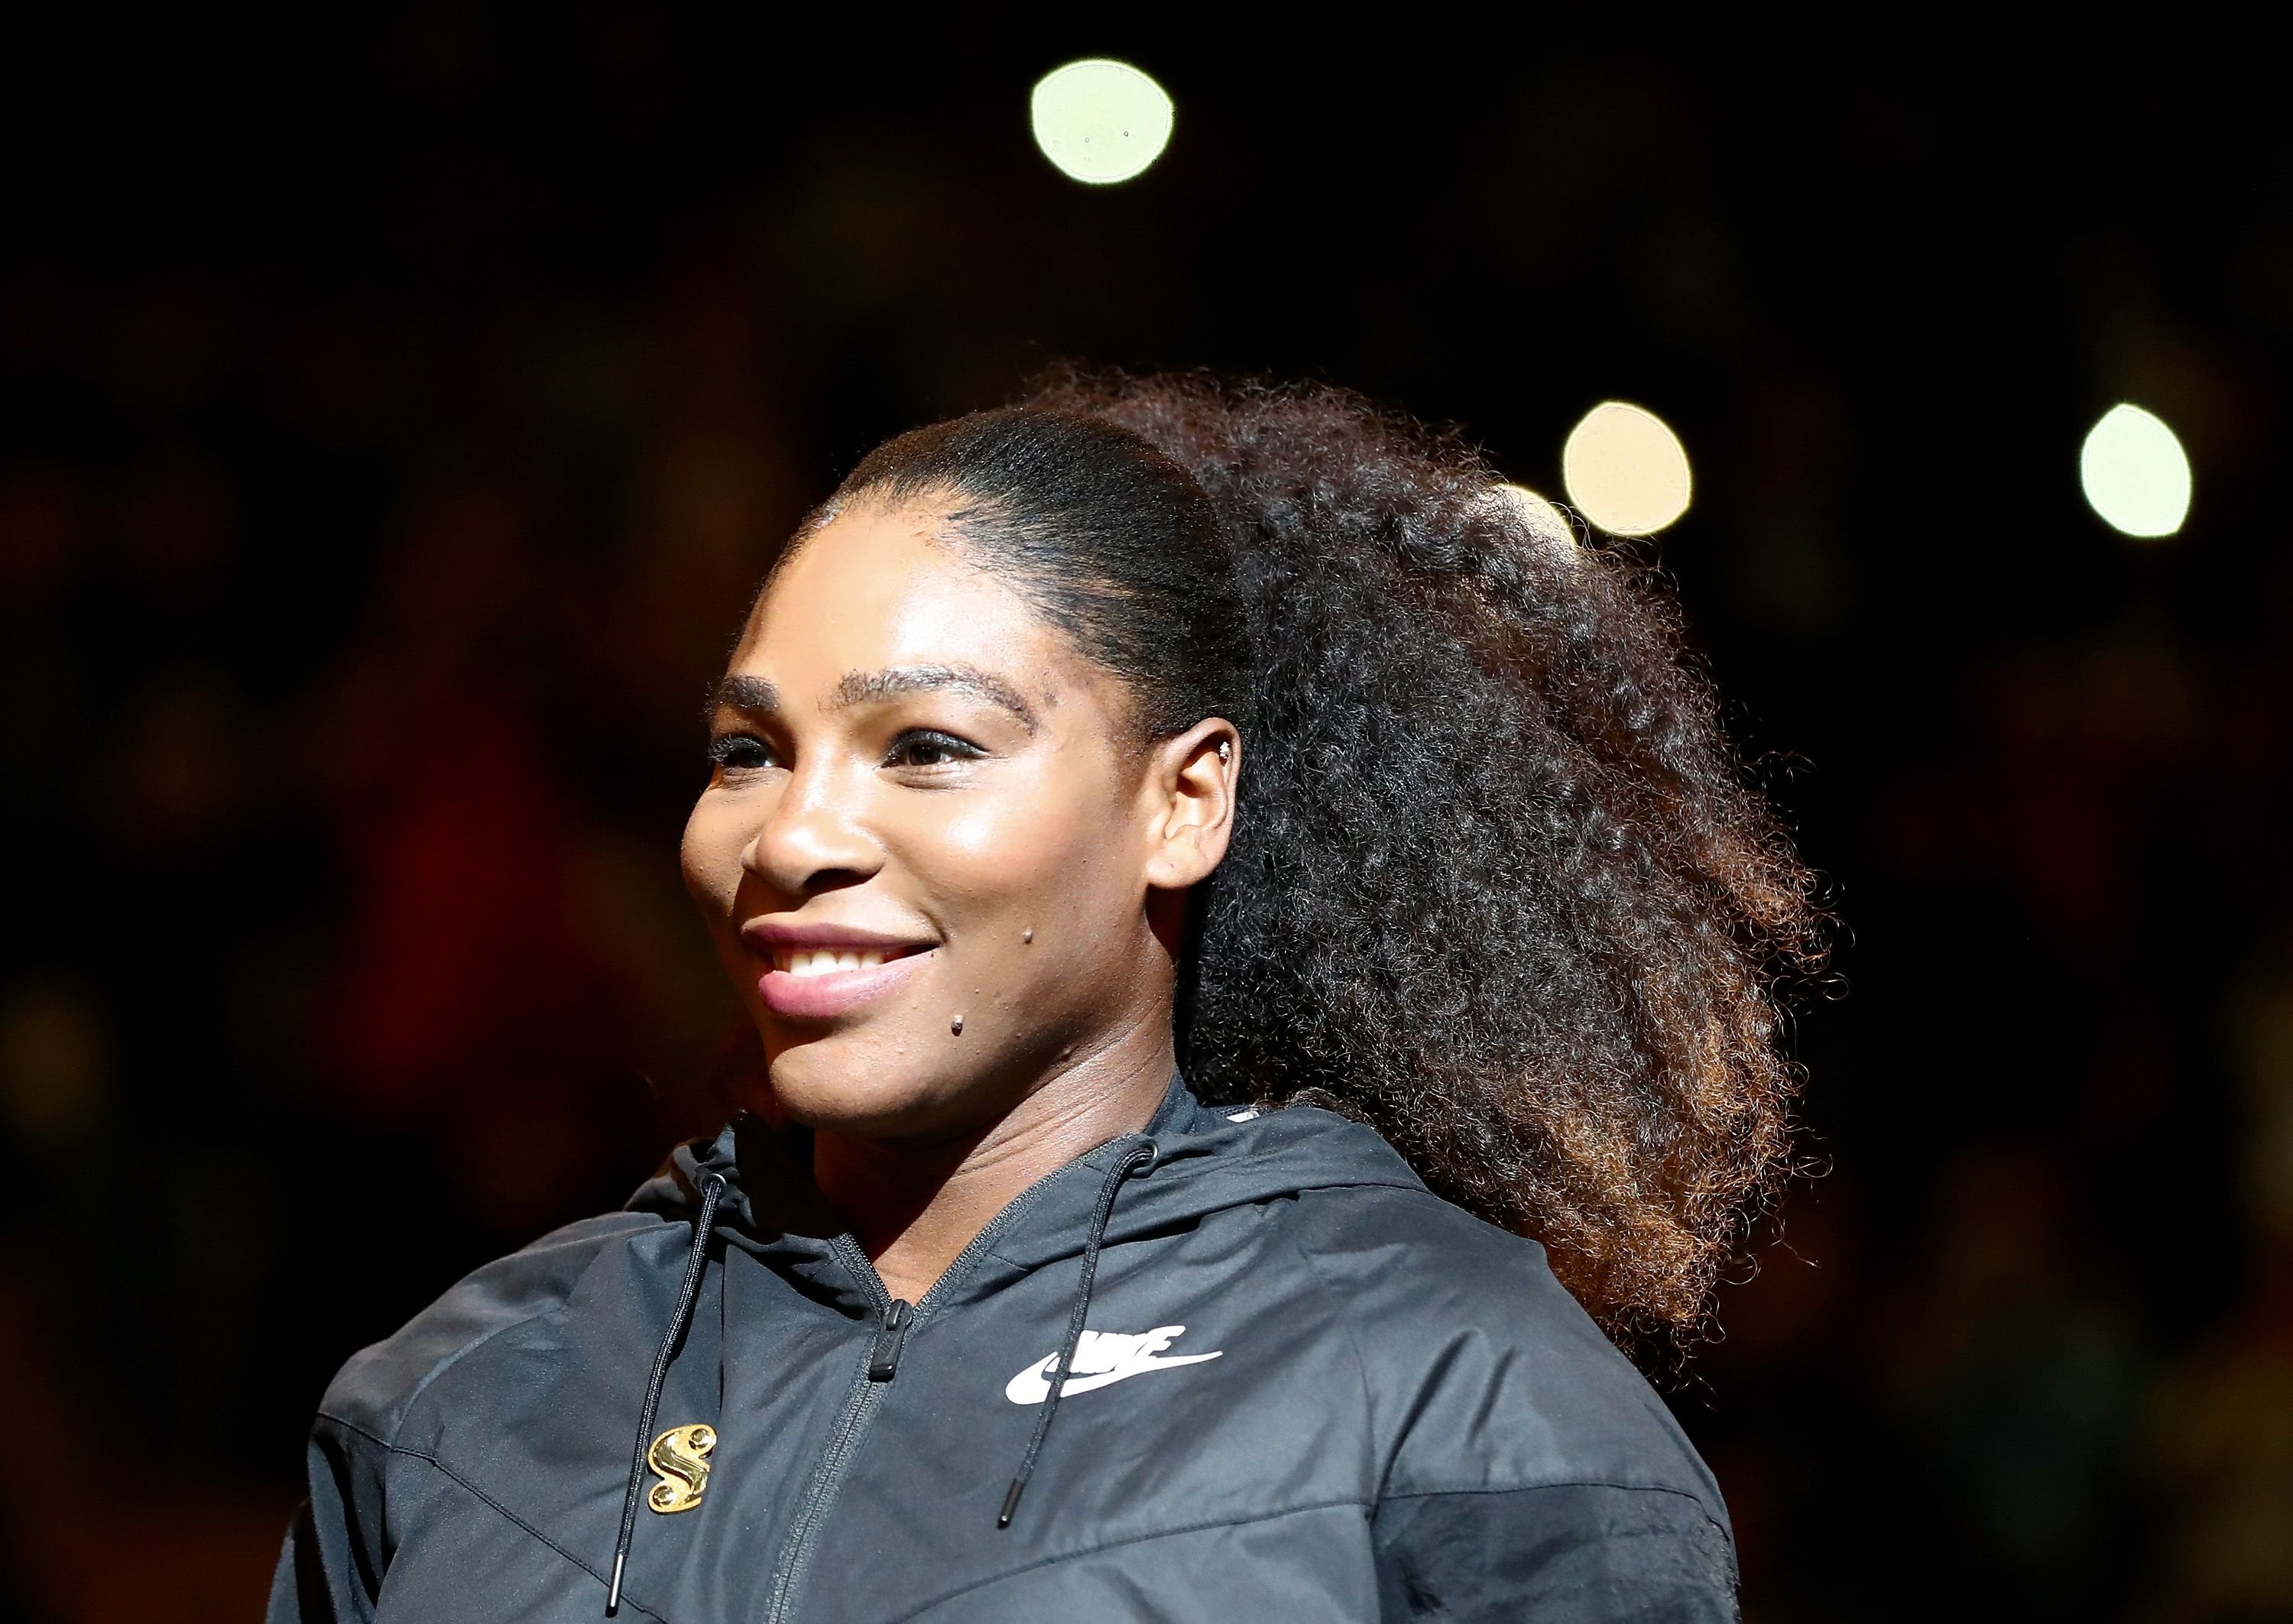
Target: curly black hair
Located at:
point(1498, 886)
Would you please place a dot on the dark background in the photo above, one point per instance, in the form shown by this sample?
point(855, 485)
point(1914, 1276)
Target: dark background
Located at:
point(395, 406)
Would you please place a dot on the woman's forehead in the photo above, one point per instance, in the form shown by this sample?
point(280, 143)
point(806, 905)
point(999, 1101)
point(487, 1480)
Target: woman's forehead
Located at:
point(887, 590)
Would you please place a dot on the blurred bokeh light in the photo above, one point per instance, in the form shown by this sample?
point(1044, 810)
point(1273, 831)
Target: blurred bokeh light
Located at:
point(1626, 470)
point(1099, 121)
point(1542, 517)
point(2135, 473)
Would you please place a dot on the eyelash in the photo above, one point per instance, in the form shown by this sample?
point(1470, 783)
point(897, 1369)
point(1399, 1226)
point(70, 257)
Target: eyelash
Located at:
point(726, 750)
point(725, 747)
point(932, 739)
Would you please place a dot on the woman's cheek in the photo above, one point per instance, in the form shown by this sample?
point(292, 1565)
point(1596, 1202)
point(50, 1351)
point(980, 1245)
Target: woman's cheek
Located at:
point(1013, 845)
point(710, 857)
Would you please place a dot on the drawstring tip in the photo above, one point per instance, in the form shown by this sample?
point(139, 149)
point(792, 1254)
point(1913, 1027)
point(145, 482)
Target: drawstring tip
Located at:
point(1011, 1501)
point(614, 1590)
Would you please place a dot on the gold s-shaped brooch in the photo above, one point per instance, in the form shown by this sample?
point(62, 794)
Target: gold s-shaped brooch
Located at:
point(679, 1458)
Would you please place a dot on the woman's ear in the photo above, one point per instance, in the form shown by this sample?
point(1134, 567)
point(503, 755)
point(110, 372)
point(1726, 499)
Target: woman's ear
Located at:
point(1189, 790)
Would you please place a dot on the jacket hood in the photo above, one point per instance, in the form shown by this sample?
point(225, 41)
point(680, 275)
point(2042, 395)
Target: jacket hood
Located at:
point(1205, 1160)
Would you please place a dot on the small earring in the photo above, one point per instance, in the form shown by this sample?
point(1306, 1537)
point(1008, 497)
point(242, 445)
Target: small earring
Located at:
point(1226, 749)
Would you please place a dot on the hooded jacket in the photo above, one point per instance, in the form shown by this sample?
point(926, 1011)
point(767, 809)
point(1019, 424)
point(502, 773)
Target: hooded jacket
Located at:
point(1301, 1388)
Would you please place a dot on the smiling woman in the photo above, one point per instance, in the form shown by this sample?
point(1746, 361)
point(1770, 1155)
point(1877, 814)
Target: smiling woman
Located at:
point(911, 761)
point(1216, 889)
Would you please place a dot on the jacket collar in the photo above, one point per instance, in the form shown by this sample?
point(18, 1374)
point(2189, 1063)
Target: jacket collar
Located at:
point(1204, 1161)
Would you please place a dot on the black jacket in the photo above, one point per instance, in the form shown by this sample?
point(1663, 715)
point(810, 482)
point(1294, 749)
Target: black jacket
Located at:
point(1310, 1390)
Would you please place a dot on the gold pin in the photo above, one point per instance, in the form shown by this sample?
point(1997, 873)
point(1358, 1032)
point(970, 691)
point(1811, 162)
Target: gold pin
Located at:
point(679, 1458)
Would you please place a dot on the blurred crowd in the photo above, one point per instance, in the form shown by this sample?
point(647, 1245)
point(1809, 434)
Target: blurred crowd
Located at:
point(387, 451)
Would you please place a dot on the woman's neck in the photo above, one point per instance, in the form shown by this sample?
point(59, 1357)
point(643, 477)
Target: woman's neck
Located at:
point(914, 1205)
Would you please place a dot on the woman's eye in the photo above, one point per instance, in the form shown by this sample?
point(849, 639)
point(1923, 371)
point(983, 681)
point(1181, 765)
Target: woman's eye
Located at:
point(924, 748)
point(738, 752)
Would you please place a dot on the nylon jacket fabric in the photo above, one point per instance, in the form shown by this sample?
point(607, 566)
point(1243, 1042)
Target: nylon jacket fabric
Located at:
point(1311, 1390)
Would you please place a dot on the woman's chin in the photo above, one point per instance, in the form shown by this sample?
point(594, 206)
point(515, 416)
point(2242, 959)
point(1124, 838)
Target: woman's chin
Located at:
point(848, 1084)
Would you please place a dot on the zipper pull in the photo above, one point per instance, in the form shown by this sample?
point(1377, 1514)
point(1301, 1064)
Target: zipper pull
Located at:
point(884, 1360)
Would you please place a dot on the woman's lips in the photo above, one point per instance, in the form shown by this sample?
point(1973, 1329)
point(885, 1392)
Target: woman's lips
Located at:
point(825, 997)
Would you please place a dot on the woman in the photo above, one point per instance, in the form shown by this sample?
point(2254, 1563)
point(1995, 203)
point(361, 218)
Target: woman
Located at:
point(1091, 779)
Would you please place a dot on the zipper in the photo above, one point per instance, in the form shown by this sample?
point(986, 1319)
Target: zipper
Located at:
point(843, 1441)
point(990, 1235)
point(896, 1318)
point(884, 1357)
point(827, 1478)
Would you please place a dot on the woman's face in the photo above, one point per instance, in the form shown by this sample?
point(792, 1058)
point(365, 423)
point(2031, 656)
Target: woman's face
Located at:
point(933, 862)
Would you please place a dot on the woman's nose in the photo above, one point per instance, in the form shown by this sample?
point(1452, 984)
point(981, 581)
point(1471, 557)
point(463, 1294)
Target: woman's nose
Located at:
point(814, 837)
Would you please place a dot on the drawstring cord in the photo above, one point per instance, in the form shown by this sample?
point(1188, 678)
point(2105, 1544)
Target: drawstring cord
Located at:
point(712, 1190)
point(1136, 1158)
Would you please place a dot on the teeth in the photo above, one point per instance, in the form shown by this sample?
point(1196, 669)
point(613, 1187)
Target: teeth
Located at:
point(825, 961)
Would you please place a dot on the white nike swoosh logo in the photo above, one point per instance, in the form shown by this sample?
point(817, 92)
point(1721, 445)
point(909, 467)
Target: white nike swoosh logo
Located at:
point(1141, 1354)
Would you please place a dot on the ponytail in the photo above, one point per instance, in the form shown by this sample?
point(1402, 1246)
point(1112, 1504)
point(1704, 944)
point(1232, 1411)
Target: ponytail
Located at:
point(1496, 887)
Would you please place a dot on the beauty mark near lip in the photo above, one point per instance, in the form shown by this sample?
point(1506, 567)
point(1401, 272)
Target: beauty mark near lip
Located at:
point(824, 998)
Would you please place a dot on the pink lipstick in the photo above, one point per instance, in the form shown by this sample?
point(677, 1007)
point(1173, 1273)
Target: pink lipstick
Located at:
point(822, 971)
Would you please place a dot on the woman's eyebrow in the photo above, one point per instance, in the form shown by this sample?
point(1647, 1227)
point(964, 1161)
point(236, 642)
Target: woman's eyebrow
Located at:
point(862, 687)
point(749, 693)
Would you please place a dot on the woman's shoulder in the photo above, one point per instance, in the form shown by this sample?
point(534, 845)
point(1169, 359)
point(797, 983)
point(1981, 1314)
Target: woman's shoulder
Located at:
point(1494, 1377)
point(375, 1389)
